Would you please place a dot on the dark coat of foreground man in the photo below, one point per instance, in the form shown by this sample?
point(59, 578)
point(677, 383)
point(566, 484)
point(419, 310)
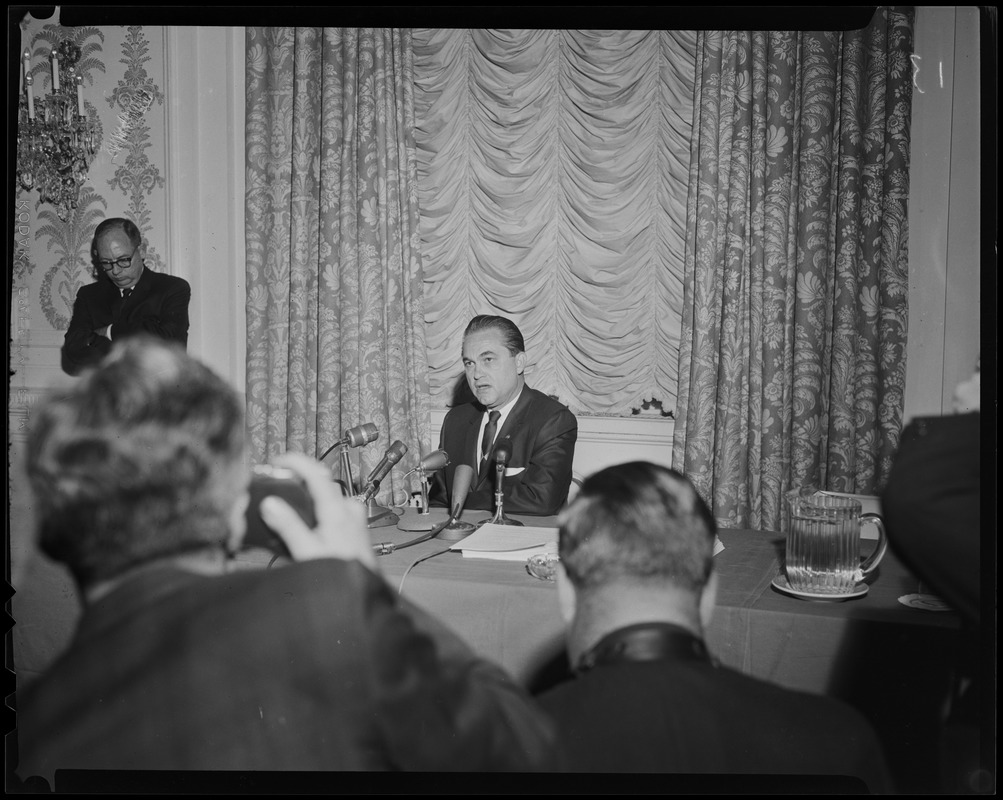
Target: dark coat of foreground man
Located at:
point(186, 658)
point(637, 588)
point(932, 504)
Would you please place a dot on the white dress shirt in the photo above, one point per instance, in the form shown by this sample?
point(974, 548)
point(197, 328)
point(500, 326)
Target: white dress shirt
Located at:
point(503, 415)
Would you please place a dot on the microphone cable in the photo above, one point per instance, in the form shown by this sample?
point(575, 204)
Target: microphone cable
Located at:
point(400, 589)
point(386, 548)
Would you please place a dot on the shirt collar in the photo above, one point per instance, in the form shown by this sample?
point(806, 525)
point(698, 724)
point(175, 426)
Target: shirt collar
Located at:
point(503, 412)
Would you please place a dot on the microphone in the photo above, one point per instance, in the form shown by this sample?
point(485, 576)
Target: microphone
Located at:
point(360, 435)
point(463, 476)
point(393, 454)
point(435, 460)
point(454, 530)
point(502, 454)
point(451, 530)
point(355, 437)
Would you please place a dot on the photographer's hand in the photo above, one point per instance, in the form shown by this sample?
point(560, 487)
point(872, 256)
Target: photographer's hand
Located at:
point(341, 530)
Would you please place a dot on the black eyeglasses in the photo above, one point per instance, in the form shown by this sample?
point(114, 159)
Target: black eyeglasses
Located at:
point(121, 263)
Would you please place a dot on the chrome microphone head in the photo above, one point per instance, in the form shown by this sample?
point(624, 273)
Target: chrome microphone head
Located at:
point(503, 452)
point(432, 462)
point(435, 460)
point(361, 435)
point(396, 452)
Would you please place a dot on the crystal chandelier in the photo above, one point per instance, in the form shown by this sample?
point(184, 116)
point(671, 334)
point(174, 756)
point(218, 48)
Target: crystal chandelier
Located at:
point(55, 140)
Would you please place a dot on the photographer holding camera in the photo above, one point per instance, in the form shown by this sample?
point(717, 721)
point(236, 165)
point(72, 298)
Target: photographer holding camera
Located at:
point(181, 661)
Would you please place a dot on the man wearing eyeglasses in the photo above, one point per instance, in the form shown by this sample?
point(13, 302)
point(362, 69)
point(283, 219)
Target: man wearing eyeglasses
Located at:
point(126, 299)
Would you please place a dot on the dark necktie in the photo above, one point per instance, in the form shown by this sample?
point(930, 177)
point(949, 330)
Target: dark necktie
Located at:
point(489, 434)
point(126, 293)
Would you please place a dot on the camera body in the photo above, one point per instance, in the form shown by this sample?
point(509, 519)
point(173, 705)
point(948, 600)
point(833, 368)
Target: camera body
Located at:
point(284, 483)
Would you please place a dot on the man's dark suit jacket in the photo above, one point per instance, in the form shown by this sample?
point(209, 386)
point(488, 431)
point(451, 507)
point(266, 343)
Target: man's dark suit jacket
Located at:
point(932, 506)
point(542, 433)
point(694, 718)
point(316, 666)
point(158, 306)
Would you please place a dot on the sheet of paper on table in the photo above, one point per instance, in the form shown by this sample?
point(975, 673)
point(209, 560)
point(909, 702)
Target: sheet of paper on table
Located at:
point(517, 543)
point(507, 542)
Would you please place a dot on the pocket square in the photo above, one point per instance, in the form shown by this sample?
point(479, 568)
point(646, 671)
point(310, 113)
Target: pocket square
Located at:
point(510, 471)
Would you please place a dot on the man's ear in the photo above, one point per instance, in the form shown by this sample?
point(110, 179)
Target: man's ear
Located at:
point(520, 363)
point(708, 599)
point(567, 598)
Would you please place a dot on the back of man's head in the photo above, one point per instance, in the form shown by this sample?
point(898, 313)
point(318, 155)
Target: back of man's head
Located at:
point(637, 524)
point(142, 458)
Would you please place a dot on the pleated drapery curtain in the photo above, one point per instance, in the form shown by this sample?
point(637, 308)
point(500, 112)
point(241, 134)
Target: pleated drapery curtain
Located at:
point(334, 306)
point(552, 168)
point(795, 311)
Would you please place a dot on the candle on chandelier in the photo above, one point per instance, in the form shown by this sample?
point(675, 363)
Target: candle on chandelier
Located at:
point(80, 95)
point(27, 63)
point(31, 96)
point(55, 71)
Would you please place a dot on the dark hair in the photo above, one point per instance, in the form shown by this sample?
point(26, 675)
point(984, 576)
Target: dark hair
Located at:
point(142, 458)
point(127, 226)
point(511, 334)
point(637, 521)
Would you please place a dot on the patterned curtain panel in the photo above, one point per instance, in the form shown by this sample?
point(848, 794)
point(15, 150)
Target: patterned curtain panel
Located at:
point(334, 312)
point(795, 312)
point(552, 169)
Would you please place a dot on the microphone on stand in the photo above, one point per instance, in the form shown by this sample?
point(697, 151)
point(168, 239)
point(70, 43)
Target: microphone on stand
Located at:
point(435, 460)
point(502, 453)
point(422, 521)
point(454, 530)
point(358, 436)
point(390, 458)
point(378, 515)
point(451, 530)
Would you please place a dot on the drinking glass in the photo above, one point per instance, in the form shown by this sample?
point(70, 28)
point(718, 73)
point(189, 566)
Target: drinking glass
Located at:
point(823, 543)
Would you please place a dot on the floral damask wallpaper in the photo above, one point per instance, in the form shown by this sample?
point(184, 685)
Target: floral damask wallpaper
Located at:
point(123, 72)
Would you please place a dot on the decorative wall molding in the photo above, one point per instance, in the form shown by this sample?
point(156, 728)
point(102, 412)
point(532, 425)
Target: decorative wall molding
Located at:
point(944, 209)
point(205, 164)
point(137, 176)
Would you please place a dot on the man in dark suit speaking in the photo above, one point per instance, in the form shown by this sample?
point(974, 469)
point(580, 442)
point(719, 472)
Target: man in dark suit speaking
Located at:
point(540, 431)
point(126, 299)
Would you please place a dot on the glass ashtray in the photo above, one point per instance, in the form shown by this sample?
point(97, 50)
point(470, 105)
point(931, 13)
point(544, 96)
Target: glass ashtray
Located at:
point(543, 566)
